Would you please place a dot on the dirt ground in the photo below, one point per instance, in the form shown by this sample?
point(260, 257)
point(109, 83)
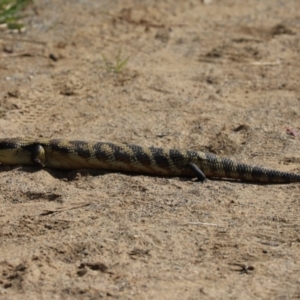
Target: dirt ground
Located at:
point(219, 76)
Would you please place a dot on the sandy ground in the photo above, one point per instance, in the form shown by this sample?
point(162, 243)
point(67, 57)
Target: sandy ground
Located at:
point(220, 77)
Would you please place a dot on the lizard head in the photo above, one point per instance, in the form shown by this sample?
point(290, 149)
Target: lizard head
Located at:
point(14, 152)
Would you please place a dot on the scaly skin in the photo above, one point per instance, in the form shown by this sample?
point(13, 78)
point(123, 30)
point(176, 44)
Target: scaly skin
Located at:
point(62, 154)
